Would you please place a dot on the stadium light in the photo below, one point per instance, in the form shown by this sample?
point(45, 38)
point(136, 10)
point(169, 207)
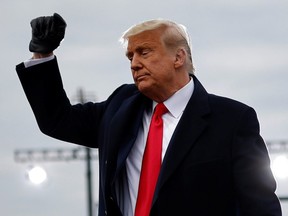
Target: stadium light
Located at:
point(279, 167)
point(36, 175)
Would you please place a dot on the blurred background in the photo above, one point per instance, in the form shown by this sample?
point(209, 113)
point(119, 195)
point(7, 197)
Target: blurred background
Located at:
point(239, 49)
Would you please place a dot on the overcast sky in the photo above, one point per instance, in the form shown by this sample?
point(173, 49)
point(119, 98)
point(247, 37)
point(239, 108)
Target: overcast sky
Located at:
point(239, 48)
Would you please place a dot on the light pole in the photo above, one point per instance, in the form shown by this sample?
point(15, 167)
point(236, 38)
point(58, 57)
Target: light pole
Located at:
point(81, 99)
point(44, 155)
point(57, 155)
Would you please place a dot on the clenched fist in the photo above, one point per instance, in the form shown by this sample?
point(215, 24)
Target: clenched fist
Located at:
point(47, 33)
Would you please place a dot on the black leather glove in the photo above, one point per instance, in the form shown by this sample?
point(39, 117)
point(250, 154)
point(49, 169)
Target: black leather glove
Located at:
point(47, 33)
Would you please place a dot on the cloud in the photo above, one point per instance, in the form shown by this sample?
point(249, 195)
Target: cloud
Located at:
point(250, 58)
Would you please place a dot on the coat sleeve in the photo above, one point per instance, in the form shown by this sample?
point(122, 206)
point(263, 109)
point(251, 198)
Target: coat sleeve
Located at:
point(254, 182)
point(55, 115)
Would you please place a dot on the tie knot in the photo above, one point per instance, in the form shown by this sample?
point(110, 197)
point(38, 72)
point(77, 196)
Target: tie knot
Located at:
point(160, 109)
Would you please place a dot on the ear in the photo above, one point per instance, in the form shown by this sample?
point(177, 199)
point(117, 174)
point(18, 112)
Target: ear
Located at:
point(180, 58)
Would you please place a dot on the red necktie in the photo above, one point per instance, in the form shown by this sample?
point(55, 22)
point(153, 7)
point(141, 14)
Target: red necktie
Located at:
point(151, 162)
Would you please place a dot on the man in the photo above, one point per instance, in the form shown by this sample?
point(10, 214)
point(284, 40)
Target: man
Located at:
point(213, 160)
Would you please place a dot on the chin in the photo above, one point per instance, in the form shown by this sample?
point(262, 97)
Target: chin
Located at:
point(143, 88)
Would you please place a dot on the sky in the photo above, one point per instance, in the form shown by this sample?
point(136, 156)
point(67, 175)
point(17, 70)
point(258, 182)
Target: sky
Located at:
point(239, 49)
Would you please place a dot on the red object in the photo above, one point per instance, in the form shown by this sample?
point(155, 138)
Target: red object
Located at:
point(151, 162)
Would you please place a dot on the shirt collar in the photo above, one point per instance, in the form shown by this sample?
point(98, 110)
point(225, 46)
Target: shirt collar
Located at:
point(178, 101)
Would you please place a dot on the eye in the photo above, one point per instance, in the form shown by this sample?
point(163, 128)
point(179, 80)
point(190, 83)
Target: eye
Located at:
point(145, 53)
point(130, 57)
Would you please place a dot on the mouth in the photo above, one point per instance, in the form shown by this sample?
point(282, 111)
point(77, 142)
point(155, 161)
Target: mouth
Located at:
point(140, 77)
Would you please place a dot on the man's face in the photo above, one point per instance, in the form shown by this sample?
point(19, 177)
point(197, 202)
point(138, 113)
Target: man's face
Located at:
point(152, 65)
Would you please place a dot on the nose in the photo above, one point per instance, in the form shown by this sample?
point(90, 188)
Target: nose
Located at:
point(135, 63)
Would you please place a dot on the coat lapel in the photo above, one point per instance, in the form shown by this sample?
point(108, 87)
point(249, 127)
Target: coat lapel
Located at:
point(129, 118)
point(189, 128)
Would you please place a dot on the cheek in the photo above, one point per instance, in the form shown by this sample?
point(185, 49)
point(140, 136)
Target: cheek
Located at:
point(162, 64)
point(156, 68)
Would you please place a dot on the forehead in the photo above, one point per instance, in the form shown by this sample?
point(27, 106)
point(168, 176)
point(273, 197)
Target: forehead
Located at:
point(144, 39)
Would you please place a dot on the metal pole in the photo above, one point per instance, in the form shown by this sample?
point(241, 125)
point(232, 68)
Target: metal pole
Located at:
point(89, 182)
point(88, 167)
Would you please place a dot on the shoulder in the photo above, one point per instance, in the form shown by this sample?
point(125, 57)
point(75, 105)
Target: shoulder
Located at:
point(124, 91)
point(225, 102)
point(216, 102)
point(229, 110)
